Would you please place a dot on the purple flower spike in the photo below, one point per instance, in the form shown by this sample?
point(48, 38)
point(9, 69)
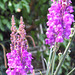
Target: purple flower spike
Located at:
point(19, 60)
point(59, 21)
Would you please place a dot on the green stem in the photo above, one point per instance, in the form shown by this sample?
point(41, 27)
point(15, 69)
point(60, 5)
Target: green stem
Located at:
point(63, 58)
point(49, 62)
point(53, 58)
point(53, 61)
point(71, 71)
point(64, 55)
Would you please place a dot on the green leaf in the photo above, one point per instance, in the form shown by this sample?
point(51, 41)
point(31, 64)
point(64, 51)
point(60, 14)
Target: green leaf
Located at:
point(42, 1)
point(44, 9)
point(9, 4)
point(2, 5)
point(50, 2)
point(18, 6)
point(0, 23)
point(5, 1)
point(60, 71)
point(24, 13)
point(5, 21)
point(26, 5)
point(1, 26)
point(1, 37)
point(28, 1)
point(65, 67)
point(68, 58)
point(67, 64)
point(2, 17)
point(9, 25)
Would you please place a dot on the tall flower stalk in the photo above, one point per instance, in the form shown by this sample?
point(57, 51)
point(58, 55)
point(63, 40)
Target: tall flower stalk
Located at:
point(59, 28)
point(19, 60)
point(59, 22)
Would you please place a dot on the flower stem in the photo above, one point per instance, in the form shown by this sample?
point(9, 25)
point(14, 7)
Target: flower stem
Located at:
point(63, 58)
point(53, 61)
point(71, 71)
point(4, 50)
point(53, 57)
point(64, 55)
point(49, 62)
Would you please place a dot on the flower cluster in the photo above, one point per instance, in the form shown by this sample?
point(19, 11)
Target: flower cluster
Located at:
point(19, 60)
point(59, 21)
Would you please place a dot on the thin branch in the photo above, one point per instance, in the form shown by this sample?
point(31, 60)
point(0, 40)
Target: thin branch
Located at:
point(63, 58)
point(64, 55)
point(4, 49)
point(31, 39)
point(71, 71)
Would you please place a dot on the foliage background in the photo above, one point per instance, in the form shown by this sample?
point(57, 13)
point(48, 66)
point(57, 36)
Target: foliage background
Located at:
point(34, 13)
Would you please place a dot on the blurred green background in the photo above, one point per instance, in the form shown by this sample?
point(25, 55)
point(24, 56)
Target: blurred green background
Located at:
point(34, 13)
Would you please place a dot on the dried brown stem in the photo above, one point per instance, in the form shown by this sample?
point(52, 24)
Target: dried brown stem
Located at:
point(31, 39)
point(4, 51)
